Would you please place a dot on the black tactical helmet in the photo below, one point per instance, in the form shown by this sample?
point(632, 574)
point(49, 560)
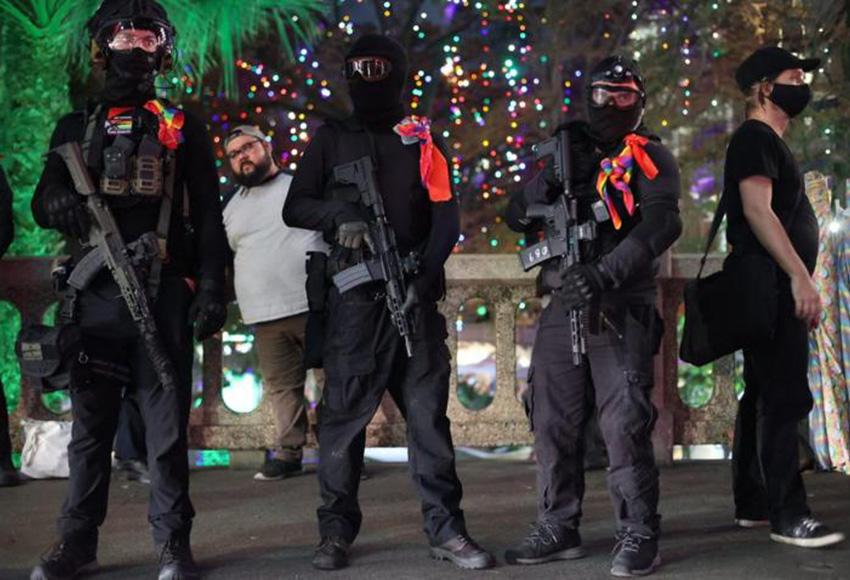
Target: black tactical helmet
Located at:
point(114, 15)
point(618, 70)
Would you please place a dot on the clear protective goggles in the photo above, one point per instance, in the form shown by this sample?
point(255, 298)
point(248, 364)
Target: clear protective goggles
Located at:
point(621, 98)
point(146, 35)
point(370, 68)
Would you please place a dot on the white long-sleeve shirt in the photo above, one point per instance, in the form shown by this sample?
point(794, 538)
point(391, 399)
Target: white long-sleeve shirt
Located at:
point(269, 256)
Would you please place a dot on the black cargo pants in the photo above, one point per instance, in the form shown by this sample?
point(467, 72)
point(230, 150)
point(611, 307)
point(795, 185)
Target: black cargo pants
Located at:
point(616, 375)
point(365, 356)
point(109, 335)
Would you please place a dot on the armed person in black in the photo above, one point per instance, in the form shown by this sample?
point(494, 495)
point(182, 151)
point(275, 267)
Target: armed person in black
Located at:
point(154, 167)
point(371, 327)
point(626, 187)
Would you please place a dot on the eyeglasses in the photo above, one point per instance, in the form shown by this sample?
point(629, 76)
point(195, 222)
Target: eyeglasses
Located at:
point(236, 153)
point(371, 68)
point(621, 98)
point(128, 39)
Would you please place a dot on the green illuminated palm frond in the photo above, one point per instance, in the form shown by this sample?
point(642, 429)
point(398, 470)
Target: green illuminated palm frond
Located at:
point(212, 32)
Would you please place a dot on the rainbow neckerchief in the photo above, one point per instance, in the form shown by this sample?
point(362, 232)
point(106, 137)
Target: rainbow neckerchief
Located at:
point(617, 171)
point(433, 167)
point(170, 123)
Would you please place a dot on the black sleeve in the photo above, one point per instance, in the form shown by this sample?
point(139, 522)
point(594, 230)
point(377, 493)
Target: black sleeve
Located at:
point(305, 205)
point(7, 224)
point(443, 235)
point(752, 151)
point(204, 202)
point(660, 224)
point(55, 173)
point(536, 190)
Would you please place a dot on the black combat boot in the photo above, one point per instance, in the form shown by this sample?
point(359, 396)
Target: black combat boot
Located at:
point(546, 542)
point(331, 554)
point(463, 552)
point(176, 561)
point(66, 559)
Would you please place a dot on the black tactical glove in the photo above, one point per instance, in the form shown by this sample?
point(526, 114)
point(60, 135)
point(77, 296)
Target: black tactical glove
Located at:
point(581, 284)
point(208, 311)
point(352, 234)
point(66, 211)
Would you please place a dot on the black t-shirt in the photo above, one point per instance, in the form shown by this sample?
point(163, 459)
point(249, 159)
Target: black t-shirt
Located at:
point(756, 149)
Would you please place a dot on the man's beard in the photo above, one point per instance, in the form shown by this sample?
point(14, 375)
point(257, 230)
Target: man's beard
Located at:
point(257, 176)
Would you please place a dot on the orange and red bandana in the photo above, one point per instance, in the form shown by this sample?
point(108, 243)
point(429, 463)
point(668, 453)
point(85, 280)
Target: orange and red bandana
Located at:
point(433, 167)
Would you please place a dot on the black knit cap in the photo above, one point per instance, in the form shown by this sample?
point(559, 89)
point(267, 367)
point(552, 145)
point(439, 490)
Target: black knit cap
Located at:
point(766, 63)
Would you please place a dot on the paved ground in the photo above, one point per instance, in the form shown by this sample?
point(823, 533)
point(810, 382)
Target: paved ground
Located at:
point(253, 530)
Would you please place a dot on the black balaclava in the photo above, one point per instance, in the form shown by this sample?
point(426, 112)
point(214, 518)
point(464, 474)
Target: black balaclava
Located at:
point(130, 74)
point(379, 103)
point(608, 124)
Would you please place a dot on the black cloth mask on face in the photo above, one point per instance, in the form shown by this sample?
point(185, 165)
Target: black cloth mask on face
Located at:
point(130, 73)
point(380, 101)
point(791, 98)
point(608, 124)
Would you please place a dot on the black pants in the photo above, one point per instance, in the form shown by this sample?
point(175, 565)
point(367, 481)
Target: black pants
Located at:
point(130, 438)
point(765, 460)
point(364, 356)
point(96, 404)
point(616, 374)
point(5, 441)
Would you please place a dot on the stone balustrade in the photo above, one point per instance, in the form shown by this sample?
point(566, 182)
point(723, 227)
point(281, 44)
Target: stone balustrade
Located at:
point(495, 279)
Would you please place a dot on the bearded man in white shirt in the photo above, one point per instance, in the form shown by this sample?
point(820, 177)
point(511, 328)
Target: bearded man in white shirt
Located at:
point(269, 279)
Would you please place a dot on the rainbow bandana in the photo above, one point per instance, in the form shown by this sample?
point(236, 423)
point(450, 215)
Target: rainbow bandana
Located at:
point(617, 172)
point(433, 167)
point(170, 123)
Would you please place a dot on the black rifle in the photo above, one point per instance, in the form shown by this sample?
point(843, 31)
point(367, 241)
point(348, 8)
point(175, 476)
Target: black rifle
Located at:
point(105, 239)
point(385, 265)
point(563, 232)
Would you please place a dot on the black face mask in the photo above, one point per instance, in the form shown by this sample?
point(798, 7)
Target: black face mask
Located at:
point(130, 74)
point(133, 64)
point(791, 98)
point(609, 124)
point(376, 97)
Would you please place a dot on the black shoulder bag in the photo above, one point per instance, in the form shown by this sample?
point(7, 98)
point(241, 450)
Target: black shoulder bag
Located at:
point(732, 309)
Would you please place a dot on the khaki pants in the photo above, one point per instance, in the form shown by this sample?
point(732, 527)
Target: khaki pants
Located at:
point(280, 346)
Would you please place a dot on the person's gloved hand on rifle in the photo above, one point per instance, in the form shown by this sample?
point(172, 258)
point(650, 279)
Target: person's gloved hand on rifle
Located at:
point(66, 211)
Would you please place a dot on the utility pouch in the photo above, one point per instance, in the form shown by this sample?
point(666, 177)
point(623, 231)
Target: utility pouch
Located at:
point(48, 353)
point(116, 167)
point(148, 175)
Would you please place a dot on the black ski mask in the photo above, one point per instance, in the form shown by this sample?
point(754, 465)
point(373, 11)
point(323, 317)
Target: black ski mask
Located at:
point(609, 123)
point(131, 73)
point(791, 98)
point(379, 102)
